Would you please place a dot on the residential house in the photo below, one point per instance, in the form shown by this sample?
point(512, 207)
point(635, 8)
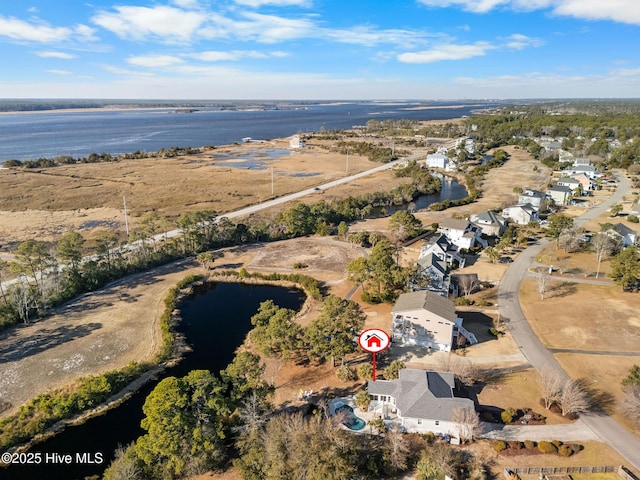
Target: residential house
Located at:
point(627, 236)
point(573, 183)
point(420, 401)
point(490, 223)
point(565, 157)
point(589, 170)
point(426, 319)
point(437, 160)
point(535, 198)
point(446, 251)
point(560, 194)
point(437, 271)
point(521, 214)
point(296, 142)
point(581, 161)
point(461, 233)
point(586, 183)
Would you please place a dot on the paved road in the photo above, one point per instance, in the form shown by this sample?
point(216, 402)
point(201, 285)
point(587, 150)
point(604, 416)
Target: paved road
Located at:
point(603, 427)
point(254, 208)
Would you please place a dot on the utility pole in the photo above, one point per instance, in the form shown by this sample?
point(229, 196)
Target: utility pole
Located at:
point(347, 169)
point(126, 218)
point(272, 190)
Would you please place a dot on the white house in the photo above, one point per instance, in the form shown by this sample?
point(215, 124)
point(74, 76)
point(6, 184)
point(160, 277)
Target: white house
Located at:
point(420, 401)
point(521, 214)
point(532, 197)
point(426, 319)
point(442, 248)
point(296, 142)
point(627, 236)
point(589, 170)
point(490, 223)
point(586, 183)
point(437, 160)
point(461, 233)
point(573, 183)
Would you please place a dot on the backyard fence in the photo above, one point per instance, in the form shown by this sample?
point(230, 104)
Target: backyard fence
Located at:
point(622, 471)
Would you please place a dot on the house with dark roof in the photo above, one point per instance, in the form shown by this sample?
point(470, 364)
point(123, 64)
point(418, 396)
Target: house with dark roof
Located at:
point(420, 401)
point(426, 319)
point(490, 223)
point(442, 248)
point(438, 272)
point(627, 236)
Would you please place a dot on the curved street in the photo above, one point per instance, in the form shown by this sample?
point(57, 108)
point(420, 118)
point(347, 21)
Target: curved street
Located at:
point(605, 428)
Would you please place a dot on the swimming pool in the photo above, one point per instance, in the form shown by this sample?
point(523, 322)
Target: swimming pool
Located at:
point(350, 420)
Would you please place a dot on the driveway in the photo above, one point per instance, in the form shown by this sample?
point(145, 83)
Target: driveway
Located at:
point(604, 428)
point(572, 432)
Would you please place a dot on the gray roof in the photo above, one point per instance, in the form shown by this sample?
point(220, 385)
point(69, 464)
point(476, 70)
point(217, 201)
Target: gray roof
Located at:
point(560, 188)
point(568, 180)
point(432, 260)
point(422, 394)
point(489, 217)
point(622, 229)
point(424, 299)
point(533, 193)
point(454, 223)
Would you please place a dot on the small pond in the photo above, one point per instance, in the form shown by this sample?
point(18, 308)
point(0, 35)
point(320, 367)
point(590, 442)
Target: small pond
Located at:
point(215, 323)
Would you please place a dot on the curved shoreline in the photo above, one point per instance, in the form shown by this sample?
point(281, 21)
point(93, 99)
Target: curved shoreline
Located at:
point(157, 366)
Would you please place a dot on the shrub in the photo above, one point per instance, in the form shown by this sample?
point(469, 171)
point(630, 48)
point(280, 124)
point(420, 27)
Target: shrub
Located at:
point(365, 371)
point(546, 447)
point(529, 444)
point(345, 373)
point(556, 443)
point(464, 301)
point(565, 451)
point(633, 218)
point(508, 415)
point(515, 445)
point(495, 332)
point(499, 445)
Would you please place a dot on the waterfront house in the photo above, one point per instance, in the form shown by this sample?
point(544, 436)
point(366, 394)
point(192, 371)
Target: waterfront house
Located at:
point(461, 233)
point(442, 248)
point(437, 160)
point(420, 401)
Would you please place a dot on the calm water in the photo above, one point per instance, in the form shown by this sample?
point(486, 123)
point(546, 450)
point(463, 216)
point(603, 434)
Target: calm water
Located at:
point(215, 324)
point(32, 136)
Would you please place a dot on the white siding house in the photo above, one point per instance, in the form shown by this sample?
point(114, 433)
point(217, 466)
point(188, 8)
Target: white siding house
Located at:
point(420, 401)
point(425, 319)
point(437, 160)
point(521, 214)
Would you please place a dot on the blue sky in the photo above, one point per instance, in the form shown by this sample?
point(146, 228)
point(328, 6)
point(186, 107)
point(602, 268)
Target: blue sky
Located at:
point(320, 49)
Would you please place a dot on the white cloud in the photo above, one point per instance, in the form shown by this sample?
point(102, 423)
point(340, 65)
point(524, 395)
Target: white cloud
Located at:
point(59, 72)
point(36, 32)
point(234, 55)
point(272, 29)
point(447, 52)
point(275, 3)
point(154, 61)
point(169, 24)
point(518, 41)
point(85, 33)
point(624, 11)
point(61, 55)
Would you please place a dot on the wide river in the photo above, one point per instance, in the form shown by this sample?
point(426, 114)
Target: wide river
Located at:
point(47, 135)
point(214, 323)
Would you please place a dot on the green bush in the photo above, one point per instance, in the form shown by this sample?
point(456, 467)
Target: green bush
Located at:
point(632, 218)
point(547, 447)
point(365, 371)
point(464, 301)
point(345, 373)
point(499, 445)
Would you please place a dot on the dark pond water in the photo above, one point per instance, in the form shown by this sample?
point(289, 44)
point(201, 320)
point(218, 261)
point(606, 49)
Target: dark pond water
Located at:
point(451, 190)
point(215, 323)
